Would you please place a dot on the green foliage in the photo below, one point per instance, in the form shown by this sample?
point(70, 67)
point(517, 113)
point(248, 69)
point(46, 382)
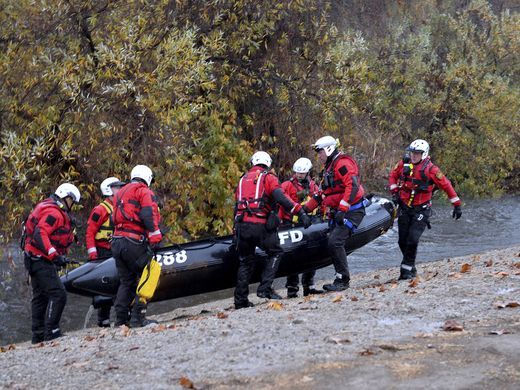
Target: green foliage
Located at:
point(192, 88)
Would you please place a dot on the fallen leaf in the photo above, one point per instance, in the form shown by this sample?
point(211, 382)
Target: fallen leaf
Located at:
point(306, 379)
point(376, 276)
point(89, 338)
point(394, 285)
point(452, 326)
point(172, 326)
point(465, 268)
point(488, 263)
point(414, 282)
point(186, 383)
point(134, 348)
point(54, 344)
point(501, 274)
point(222, 315)
point(125, 331)
point(158, 328)
point(382, 289)
point(337, 298)
point(353, 298)
point(367, 352)
point(275, 305)
point(455, 275)
point(39, 345)
point(9, 347)
point(111, 367)
point(513, 304)
point(516, 265)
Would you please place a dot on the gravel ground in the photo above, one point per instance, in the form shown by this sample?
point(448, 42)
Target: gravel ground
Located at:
point(456, 326)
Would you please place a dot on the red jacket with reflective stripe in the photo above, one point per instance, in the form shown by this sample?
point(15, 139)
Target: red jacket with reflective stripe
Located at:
point(136, 213)
point(253, 195)
point(98, 216)
point(341, 185)
point(414, 188)
point(49, 231)
point(293, 188)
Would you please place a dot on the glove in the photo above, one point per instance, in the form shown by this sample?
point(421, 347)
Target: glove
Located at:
point(457, 212)
point(305, 219)
point(92, 255)
point(339, 218)
point(61, 261)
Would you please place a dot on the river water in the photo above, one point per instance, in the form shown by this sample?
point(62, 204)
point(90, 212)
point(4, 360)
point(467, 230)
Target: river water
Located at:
point(485, 224)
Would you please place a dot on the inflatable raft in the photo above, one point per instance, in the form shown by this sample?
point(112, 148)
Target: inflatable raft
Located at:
point(211, 264)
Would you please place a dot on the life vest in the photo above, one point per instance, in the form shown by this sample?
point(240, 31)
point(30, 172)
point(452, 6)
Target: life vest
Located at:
point(126, 210)
point(300, 193)
point(417, 181)
point(107, 228)
point(59, 238)
point(252, 204)
point(334, 189)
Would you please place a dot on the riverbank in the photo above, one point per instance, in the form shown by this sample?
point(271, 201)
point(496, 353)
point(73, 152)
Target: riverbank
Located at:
point(456, 326)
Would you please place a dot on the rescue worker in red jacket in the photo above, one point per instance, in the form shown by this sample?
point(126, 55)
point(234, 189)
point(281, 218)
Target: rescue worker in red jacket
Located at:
point(412, 182)
point(48, 234)
point(300, 188)
point(136, 234)
point(343, 199)
point(256, 224)
point(100, 228)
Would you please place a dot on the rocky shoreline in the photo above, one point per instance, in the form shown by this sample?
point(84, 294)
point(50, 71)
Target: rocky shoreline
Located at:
point(456, 326)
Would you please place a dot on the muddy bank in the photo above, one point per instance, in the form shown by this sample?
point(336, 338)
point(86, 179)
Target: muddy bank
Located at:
point(456, 326)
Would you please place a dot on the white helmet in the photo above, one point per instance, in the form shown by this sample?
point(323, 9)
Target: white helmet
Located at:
point(419, 145)
point(67, 189)
point(302, 165)
point(107, 184)
point(142, 172)
point(261, 158)
point(326, 143)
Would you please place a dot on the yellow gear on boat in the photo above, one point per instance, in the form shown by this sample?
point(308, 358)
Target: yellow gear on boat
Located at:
point(107, 228)
point(149, 281)
point(313, 212)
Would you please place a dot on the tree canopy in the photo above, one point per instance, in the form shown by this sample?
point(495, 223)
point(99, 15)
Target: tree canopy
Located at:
point(192, 87)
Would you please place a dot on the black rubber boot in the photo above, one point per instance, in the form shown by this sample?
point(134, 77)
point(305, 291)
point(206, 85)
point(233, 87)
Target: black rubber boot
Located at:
point(340, 283)
point(37, 338)
point(53, 334)
point(269, 294)
point(104, 317)
point(122, 318)
point(407, 272)
point(311, 290)
point(292, 292)
point(243, 305)
point(138, 318)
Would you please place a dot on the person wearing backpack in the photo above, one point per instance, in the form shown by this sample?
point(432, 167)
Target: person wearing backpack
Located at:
point(48, 234)
point(256, 225)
